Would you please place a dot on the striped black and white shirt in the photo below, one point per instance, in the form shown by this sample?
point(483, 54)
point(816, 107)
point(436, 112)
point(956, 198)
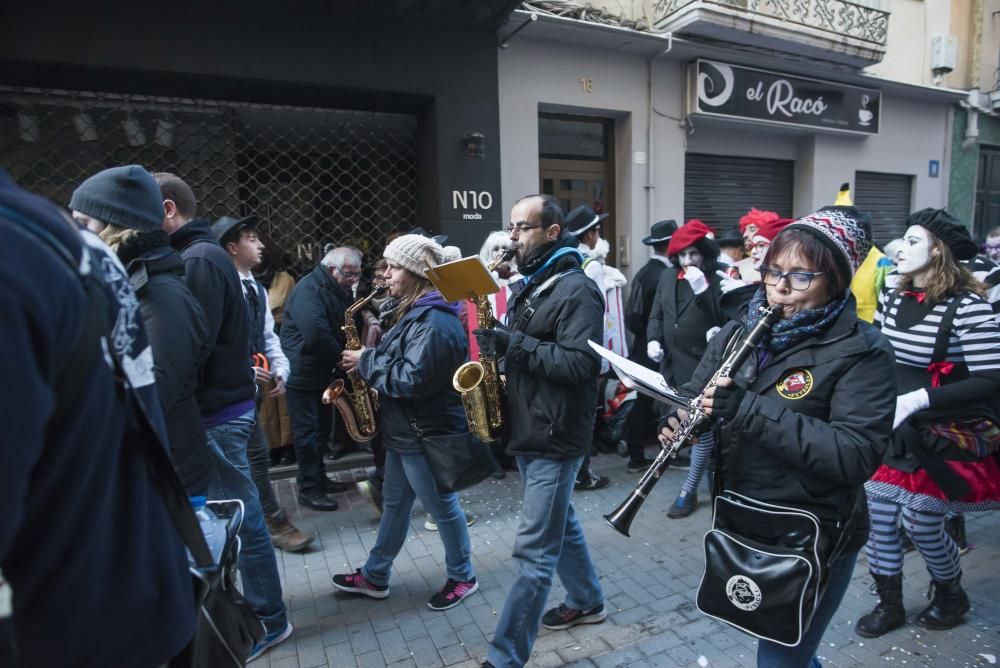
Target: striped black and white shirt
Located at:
point(974, 341)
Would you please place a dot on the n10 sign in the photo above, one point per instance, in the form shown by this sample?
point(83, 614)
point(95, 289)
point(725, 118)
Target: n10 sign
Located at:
point(720, 89)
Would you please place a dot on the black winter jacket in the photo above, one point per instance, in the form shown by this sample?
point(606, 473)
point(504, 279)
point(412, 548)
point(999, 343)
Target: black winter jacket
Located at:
point(177, 331)
point(815, 422)
point(640, 307)
point(226, 378)
point(680, 319)
point(412, 368)
point(551, 370)
point(312, 334)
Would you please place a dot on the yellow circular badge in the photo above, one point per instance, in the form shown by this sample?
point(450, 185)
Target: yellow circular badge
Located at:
point(796, 384)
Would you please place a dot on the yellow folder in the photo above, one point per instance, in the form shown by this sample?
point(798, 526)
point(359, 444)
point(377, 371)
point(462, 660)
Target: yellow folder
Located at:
point(467, 278)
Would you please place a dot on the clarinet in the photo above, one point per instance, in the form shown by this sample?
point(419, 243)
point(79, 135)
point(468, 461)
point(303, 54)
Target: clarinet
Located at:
point(621, 519)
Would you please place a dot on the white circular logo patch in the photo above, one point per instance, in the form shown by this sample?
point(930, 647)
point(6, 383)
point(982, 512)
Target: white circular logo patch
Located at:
point(743, 593)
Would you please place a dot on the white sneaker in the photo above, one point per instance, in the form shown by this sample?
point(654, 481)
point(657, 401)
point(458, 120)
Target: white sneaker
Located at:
point(431, 525)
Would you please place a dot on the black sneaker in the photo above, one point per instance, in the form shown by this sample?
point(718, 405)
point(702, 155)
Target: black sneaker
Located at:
point(682, 462)
point(452, 594)
point(640, 466)
point(565, 617)
point(683, 506)
point(591, 482)
point(355, 583)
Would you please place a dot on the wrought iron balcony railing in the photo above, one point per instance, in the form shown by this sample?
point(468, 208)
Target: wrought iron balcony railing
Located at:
point(841, 17)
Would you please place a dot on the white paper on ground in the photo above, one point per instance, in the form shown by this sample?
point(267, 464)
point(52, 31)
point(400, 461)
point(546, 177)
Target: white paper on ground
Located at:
point(639, 378)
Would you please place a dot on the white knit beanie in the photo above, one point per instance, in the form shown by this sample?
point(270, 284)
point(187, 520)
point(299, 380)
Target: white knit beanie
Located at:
point(413, 252)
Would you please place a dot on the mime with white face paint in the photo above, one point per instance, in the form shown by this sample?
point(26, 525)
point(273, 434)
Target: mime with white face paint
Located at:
point(947, 347)
point(686, 306)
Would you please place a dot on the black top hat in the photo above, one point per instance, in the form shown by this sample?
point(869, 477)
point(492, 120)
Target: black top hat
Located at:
point(439, 239)
point(730, 239)
point(582, 218)
point(227, 229)
point(660, 232)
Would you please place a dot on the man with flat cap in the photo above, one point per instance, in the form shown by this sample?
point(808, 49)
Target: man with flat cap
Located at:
point(640, 425)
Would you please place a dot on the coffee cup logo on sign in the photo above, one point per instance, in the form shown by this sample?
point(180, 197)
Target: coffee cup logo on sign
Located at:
point(864, 115)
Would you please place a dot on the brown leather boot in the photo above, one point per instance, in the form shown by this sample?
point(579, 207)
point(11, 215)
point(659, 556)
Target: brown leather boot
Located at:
point(285, 535)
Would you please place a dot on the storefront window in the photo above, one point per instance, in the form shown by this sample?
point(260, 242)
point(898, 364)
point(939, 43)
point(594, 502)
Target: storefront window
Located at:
point(572, 138)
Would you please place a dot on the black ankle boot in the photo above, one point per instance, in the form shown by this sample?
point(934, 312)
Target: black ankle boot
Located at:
point(888, 613)
point(947, 607)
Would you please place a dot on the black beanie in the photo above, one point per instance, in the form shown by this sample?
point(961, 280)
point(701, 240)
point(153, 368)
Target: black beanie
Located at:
point(124, 196)
point(948, 229)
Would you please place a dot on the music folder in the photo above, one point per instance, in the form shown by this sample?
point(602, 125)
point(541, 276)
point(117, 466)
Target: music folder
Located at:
point(639, 378)
point(467, 278)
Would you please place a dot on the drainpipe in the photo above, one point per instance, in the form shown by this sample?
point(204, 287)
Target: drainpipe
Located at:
point(650, 112)
point(971, 127)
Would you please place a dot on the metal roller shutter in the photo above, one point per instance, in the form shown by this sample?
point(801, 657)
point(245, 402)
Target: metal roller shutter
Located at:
point(887, 198)
point(719, 189)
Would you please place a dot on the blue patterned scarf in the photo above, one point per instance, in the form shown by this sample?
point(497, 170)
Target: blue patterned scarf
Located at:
point(791, 331)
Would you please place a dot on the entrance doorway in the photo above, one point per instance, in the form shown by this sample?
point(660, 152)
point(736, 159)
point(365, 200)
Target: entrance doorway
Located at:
point(576, 165)
point(987, 213)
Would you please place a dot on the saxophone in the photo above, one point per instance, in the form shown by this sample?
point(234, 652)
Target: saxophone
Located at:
point(357, 408)
point(479, 383)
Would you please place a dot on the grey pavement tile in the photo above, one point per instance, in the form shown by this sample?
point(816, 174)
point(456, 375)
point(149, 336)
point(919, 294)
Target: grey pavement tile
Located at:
point(340, 655)
point(287, 662)
point(370, 660)
point(393, 645)
point(618, 658)
point(453, 654)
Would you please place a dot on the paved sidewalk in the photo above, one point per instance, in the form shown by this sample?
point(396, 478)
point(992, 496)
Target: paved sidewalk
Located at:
point(649, 580)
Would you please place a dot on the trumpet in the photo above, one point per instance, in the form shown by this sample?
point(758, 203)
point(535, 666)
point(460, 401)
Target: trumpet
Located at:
point(479, 383)
point(621, 519)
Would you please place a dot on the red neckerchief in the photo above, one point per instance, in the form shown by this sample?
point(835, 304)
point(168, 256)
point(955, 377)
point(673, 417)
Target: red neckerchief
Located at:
point(938, 369)
point(920, 296)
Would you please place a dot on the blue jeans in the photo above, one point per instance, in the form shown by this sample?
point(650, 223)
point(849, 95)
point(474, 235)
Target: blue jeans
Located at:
point(773, 655)
point(312, 424)
point(549, 539)
point(408, 477)
point(231, 480)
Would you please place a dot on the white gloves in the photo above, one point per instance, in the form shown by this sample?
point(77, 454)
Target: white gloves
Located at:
point(654, 351)
point(711, 332)
point(908, 404)
point(696, 279)
point(727, 282)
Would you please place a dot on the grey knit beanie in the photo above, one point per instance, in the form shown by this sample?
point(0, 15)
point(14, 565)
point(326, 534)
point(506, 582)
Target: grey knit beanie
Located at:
point(124, 196)
point(413, 252)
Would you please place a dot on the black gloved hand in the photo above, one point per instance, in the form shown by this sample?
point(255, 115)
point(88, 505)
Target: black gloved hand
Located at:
point(726, 402)
point(493, 342)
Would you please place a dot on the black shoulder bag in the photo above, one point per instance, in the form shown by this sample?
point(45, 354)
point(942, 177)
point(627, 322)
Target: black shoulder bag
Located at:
point(766, 564)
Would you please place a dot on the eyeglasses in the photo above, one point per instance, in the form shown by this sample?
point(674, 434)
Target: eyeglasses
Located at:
point(348, 274)
point(521, 227)
point(799, 280)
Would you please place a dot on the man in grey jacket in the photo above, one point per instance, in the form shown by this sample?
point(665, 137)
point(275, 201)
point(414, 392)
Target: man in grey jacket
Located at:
point(551, 385)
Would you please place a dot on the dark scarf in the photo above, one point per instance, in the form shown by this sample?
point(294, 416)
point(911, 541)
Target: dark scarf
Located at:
point(792, 331)
point(534, 261)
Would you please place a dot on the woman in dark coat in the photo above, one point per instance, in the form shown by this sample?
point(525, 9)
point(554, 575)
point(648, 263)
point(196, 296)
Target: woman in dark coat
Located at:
point(946, 432)
point(806, 423)
point(123, 205)
point(411, 369)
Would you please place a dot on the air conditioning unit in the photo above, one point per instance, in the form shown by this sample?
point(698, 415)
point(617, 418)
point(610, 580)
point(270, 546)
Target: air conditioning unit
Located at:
point(944, 49)
point(994, 96)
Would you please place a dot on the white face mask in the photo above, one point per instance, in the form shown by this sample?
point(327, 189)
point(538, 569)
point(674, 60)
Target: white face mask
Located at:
point(915, 253)
point(690, 256)
point(759, 250)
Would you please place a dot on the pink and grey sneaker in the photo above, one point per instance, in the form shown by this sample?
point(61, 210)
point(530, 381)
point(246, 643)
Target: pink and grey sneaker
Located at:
point(355, 583)
point(565, 617)
point(452, 594)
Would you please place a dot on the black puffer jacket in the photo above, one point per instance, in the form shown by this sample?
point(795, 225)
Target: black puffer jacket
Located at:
point(680, 319)
point(177, 331)
point(312, 334)
point(551, 370)
point(412, 369)
point(815, 422)
point(226, 378)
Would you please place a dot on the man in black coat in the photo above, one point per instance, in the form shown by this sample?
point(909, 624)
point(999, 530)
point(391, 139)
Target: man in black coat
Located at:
point(641, 421)
point(312, 337)
point(225, 396)
point(551, 391)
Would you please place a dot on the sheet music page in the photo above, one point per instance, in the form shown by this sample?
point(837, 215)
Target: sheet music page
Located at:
point(639, 378)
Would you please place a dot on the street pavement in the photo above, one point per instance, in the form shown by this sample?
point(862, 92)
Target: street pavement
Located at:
point(649, 582)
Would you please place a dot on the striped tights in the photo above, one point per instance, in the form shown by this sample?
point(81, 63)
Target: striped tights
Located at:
point(926, 530)
point(701, 454)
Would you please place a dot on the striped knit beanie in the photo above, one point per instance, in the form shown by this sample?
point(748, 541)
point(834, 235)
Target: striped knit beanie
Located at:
point(845, 229)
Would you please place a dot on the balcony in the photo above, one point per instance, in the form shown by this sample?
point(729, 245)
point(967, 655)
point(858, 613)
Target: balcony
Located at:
point(838, 31)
